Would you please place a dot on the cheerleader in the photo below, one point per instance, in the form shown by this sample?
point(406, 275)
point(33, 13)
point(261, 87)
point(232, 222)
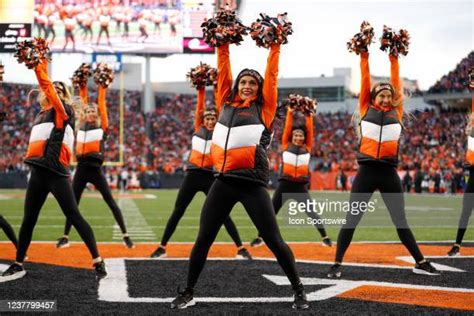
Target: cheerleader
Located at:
point(50, 30)
point(42, 21)
point(69, 25)
point(380, 126)
point(468, 200)
point(294, 174)
point(199, 177)
point(157, 20)
point(87, 24)
point(127, 18)
point(49, 153)
point(8, 230)
point(173, 20)
point(104, 20)
point(143, 23)
point(239, 142)
point(90, 157)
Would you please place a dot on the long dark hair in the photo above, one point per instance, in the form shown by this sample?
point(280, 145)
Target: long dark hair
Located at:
point(235, 88)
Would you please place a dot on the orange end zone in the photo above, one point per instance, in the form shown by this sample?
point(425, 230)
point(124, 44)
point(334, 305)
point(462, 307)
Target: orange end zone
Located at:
point(432, 298)
point(77, 256)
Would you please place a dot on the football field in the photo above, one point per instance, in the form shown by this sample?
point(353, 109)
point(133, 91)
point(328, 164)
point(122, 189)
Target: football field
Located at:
point(376, 278)
point(432, 218)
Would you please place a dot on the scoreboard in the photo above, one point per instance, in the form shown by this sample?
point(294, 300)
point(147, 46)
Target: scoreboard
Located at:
point(16, 19)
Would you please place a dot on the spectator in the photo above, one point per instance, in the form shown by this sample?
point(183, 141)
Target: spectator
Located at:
point(456, 80)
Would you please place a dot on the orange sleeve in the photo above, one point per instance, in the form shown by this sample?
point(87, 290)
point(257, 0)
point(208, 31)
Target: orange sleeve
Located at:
point(104, 120)
point(199, 108)
point(270, 86)
point(364, 97)
point(396, 83)
point(224, 75)
point(309, 133)
point(285, 138)
point(83, 95)
point(215, 94)
point(41, 71)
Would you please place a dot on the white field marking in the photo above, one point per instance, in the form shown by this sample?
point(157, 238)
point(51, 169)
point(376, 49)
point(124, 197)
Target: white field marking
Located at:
point(134, 220)
point(341, 286)
point(114, 288)
point(440, 267)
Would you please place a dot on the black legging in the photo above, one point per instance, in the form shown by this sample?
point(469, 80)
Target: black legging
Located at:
point(467, 204)
point(89, 174)
point(106, 30)
point(194, 181)
point(298, 191)
point(223, 195)
point(50, 30)
point(69, 35)
point(41, 183)
point(369, 178)
point(8, 230)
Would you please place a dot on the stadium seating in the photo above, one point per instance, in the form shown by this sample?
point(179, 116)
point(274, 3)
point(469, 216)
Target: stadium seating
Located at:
point(160, 140)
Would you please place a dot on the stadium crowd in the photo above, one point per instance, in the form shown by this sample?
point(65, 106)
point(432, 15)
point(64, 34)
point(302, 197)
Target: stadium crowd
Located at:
point(456, 80)
point(434, 142)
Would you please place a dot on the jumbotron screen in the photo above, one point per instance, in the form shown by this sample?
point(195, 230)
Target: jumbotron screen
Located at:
point(145, 27)
point(16, 18)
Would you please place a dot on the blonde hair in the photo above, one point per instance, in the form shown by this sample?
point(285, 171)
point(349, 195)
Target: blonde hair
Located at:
point(43, 99)
point(84, 109)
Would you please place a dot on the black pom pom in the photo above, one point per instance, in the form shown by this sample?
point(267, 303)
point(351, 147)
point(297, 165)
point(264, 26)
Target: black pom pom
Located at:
point(81, 75)
point(361, 41)
point(202, 75)
point(223, 27)
point(267, 30)
point(103, 75)
point(395, 43)
point(32, 52)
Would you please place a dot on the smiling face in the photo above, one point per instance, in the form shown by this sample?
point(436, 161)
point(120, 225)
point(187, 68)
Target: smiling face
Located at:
point(248, 87)
point(210, 122)
point(297, 138)
point(384, 99)
point(91, 115)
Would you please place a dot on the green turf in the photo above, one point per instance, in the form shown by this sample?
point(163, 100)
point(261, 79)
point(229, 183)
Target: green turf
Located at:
point(431, 218)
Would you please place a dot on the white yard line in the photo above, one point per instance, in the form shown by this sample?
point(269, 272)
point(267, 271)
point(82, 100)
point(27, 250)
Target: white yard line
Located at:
point(136, 224)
